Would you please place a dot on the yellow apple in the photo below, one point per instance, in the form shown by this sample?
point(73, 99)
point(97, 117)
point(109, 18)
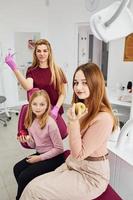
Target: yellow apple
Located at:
point(79, 108)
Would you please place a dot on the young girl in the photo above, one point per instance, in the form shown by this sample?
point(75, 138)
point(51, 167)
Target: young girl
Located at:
point(43, 74)
point(85, 174)
point(44, 136)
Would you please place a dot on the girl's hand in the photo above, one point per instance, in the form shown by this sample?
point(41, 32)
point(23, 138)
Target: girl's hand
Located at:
point(25, 138)
point(22, 138)
point(29, 138)
point(33, 159)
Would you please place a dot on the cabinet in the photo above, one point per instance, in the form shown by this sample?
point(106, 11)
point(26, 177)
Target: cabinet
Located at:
point(121, 176)
point(122, 107)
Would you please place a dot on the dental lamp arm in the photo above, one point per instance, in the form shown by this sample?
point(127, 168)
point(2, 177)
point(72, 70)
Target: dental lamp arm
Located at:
point(131, 111)
point(125, 132)
point(117, 13)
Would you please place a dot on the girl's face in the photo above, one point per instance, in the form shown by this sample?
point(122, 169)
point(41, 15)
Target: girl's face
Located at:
point(42, 53)
point(80, 85)
point(38, 106)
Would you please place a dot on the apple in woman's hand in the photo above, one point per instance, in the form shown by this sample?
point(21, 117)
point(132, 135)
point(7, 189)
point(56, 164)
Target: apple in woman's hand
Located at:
point(80, 108)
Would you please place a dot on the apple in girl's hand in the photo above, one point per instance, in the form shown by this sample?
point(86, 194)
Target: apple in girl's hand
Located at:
point(28, 137)
point(80, 108)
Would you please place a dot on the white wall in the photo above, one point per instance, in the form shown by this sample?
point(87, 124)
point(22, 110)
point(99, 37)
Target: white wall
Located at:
point(119, 71)
point(24, 54)
point(62, 32)
point(18, 16)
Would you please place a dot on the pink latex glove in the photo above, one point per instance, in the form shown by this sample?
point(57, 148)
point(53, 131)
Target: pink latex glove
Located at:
point(54, 112)
point(10, 62)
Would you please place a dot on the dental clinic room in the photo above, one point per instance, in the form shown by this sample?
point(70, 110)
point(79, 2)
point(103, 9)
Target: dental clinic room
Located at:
point(49, 52)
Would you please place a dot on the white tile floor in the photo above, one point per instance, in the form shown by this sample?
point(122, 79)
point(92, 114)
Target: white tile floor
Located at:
point(10, 153)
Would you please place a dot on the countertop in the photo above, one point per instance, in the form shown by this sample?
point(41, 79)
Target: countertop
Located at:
point(125, 151)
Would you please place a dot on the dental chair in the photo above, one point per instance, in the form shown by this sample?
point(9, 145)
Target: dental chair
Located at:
point(23, 131)
point(3, 111)
point(109, 194)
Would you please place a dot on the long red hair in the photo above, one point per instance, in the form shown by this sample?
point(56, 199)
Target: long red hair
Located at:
point(97, 101)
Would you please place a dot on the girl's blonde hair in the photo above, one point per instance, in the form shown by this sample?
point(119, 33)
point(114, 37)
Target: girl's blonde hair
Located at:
point(30, 116)
point(97, 101)
point(58, 77)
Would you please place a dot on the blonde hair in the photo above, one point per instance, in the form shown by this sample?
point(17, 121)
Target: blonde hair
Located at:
point(97, 101)
point(57, 75)
point(30, 116)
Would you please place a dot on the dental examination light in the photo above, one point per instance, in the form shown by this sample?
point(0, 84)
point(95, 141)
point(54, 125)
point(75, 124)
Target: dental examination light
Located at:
point(113, 22)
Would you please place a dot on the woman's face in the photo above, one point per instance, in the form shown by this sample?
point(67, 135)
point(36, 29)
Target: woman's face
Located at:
point(80, 85)
point(42, 53)
point(39, 106)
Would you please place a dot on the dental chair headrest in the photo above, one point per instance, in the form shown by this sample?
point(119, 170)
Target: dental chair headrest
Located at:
point(30, 92)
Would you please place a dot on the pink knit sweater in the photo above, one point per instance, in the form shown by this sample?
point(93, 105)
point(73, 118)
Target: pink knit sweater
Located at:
point(47, 141)
point(94, 140)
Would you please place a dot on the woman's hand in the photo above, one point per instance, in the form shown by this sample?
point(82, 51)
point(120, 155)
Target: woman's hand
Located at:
point(72, 116)
point(33, 159)
point(54, 112)
point(10, 61)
